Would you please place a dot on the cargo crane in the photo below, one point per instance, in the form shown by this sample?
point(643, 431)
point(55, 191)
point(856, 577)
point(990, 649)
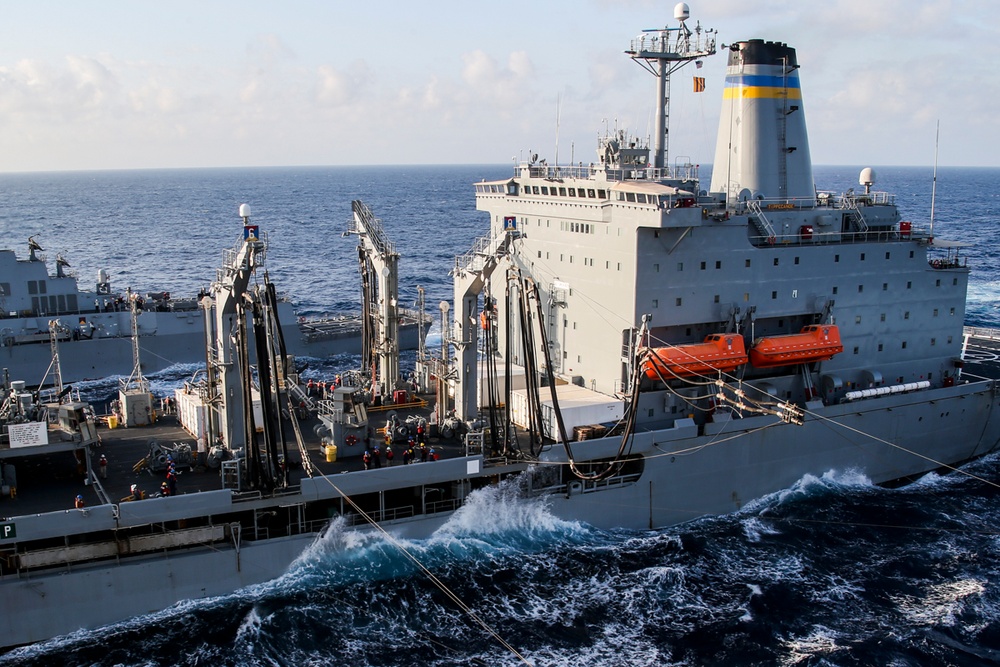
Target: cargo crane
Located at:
point(229, 287)
point(378, 263)
point(240, 318)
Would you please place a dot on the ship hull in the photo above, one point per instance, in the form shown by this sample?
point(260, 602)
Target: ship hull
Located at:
point(728, 464)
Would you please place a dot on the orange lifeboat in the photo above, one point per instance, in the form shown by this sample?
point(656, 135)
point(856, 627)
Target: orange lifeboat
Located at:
point(815, 342)
point(719, 352)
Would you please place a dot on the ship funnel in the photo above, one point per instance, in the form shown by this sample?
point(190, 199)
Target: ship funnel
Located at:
point(763, 147)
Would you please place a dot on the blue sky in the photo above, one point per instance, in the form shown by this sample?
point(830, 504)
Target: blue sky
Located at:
point(120, 85)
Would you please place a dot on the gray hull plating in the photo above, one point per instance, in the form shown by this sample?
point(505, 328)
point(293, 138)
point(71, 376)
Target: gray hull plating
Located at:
point(685, 476)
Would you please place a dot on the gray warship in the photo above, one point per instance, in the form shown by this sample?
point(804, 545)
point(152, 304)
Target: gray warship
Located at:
point(629, 347)
point(94, 328)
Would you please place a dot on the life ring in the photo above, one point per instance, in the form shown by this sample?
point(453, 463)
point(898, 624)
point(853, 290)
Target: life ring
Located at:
point(351, 440)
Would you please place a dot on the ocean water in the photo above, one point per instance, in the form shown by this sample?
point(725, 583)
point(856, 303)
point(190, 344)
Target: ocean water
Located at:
point(833, 571)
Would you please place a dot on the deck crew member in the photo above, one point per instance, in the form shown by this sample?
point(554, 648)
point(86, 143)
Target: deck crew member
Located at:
point(78, 503)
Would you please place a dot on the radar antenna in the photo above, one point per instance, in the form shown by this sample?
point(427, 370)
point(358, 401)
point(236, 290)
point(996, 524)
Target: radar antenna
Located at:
point(33, 245)
point(661, 52)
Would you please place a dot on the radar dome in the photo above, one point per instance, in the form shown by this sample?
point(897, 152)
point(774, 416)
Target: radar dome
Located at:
point(244, 210)
point(682, 12)
point(867, 177)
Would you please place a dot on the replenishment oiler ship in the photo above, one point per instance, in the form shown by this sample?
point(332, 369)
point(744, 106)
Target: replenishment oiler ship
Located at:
point(632, 347)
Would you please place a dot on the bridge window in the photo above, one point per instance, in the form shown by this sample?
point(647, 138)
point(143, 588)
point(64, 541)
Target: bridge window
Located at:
point(562, 192)
point(545, 190)
point(630, 196)
point(572, 192)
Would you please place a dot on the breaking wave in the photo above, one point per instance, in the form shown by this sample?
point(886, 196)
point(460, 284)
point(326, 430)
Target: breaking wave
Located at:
point(779, 582)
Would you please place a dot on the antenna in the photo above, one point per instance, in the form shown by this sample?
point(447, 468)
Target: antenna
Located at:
point(558, 112)
point(937, 137)
point(661, 52)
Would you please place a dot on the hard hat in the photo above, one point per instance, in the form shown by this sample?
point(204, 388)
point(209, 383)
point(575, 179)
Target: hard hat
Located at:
point(79, 497)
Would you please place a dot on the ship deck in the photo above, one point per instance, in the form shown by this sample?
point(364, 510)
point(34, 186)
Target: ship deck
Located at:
point(50, 482)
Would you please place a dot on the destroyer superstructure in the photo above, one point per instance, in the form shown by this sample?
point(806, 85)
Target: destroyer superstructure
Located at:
point(94, 328)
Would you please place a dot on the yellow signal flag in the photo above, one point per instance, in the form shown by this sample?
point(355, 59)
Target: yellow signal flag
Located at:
point(699, 84)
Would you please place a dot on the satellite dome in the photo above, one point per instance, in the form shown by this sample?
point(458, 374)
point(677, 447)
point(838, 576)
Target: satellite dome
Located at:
point(867, 177)
point(682, 12)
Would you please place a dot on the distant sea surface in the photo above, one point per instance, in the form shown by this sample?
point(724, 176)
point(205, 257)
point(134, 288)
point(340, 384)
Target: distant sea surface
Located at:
point(833, 571)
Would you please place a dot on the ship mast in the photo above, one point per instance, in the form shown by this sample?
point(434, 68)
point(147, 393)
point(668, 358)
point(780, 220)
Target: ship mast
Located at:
point(661, 54)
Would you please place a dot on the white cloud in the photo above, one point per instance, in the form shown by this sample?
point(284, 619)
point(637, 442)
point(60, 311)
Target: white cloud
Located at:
point(278, 89)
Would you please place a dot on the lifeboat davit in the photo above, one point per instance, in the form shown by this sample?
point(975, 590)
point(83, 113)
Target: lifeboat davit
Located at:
point(719, 352)
point(816, 342)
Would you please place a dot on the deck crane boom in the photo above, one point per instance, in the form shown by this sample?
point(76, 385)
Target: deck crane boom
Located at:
point(471, 273)
point(224, 380)
point(379, 266)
